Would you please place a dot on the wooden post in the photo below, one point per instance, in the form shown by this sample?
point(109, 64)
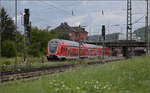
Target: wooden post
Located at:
point(42, 59)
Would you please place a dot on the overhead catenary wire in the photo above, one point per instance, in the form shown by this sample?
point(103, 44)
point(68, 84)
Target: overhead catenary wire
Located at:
point(52, 5)
point(135, 22)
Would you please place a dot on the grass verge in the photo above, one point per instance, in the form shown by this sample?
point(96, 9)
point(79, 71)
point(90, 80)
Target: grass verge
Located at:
point(129, 76)
point(8, 65)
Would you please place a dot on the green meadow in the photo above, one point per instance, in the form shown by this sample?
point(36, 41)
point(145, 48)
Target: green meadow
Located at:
point(127, 76)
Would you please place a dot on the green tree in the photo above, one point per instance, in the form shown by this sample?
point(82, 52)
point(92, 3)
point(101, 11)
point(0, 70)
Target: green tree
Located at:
point(7, 25)
point(8, 48)
point(140, 32)
point(20, 43)
point(39, 41)
point(64, 36)
point(33, 50)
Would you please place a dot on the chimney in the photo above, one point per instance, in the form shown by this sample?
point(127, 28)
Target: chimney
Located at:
point(65, 23)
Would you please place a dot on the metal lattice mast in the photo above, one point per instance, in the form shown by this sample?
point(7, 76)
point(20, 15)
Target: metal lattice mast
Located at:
point(129, 20)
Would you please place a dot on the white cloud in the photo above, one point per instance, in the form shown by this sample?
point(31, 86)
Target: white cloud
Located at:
point(94, 20)
point(76, 20)
point(18, 18)
point(87, 13)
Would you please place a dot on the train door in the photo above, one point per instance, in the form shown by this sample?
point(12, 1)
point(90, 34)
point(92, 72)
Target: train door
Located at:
point(64, 50)
point(73, 52)
point(68, 52)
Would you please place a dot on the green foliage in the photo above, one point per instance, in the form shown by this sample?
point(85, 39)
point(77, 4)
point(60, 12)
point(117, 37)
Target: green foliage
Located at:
point(8, 26)
point(64, 36)
point(8, 29)
point(8, 48)
point(20, 44)
point(141, 33)
point(39, 41)
point(39, 38)
point(7, 62)
point(33, 50)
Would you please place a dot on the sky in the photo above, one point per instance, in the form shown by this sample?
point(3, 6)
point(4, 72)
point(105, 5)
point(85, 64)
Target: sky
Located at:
point(85, 13)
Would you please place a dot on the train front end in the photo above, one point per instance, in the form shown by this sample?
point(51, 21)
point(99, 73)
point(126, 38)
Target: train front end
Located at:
point(52, 49)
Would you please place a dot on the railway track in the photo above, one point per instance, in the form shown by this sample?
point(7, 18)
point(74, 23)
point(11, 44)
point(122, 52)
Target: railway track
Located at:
point(12, 76)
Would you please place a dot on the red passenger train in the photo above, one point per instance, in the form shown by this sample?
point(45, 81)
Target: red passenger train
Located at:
point(65, 49)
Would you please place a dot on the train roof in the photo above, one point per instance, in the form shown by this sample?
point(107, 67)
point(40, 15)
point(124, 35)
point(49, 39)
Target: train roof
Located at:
point(73, 43)
point(93, 46)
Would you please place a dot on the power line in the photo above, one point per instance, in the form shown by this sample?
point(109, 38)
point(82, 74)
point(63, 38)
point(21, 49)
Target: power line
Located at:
point(138, 20)
point(55, 7)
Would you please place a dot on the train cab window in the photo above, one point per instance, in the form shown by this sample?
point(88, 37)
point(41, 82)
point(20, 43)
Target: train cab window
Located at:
point(56, 41)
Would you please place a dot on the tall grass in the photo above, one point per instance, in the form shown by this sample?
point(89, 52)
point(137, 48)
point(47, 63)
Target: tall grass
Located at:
point(128, 76)
point(8, 64)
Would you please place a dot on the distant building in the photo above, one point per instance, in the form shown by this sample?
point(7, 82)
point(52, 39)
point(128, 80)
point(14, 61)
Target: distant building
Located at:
point(73, 32)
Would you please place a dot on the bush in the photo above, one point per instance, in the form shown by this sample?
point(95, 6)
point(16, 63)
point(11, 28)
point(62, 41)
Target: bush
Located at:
point(6, 63)
point(34, 50)
point(8, 48)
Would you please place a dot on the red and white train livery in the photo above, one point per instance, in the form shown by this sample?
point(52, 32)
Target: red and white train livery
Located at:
point(65, 49)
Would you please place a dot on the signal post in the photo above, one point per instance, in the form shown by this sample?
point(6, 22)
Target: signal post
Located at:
point(27, 32)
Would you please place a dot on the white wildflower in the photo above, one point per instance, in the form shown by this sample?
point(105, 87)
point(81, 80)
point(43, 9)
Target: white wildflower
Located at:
point(104, 87)
point(95, 86)
point(63, 85)
point(55, 84)
point(78, 88)
point(97, 82)
point(85, 82)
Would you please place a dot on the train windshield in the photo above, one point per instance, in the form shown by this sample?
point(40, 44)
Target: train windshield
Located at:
point(53, 47)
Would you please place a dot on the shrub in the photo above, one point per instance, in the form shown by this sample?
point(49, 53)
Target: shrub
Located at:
point(8, 48)
point(6, 63)
point(34, 50)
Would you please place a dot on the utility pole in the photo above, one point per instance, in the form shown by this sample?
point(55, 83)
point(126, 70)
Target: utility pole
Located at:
point(79, 42)
point(147, 28)
point(0, 31)
point(0, 4)
point(0, 37)
point(129, 20)
point(16, 29)
point(103, 39)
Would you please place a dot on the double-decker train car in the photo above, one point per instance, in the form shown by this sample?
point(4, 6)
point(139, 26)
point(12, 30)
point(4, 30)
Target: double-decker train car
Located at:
point(65, 49)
